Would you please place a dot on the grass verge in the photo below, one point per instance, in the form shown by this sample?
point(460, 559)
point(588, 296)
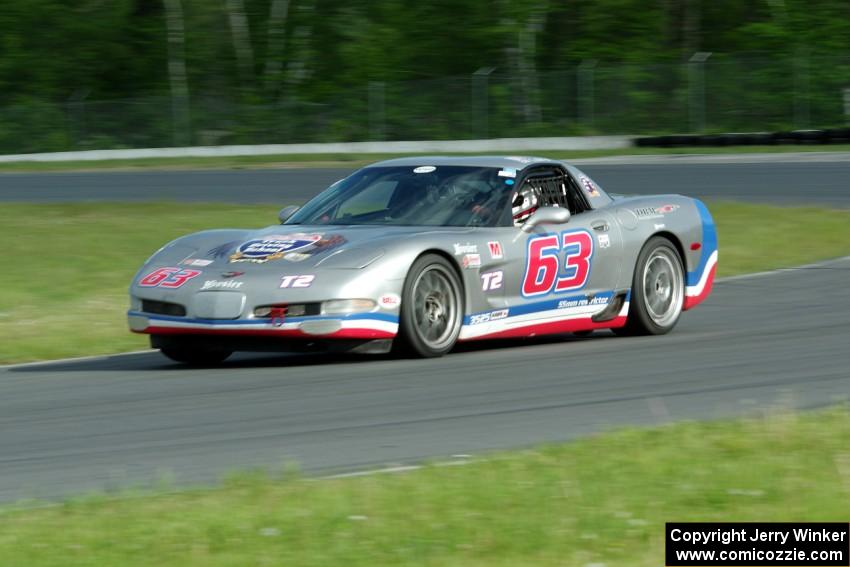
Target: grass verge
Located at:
point(353, 160)
point(599, 501)
point(64, 292)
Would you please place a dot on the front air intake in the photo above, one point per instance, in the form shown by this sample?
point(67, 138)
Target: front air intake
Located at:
point(163, 308)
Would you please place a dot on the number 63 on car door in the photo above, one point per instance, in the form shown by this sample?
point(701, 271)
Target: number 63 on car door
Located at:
point(557, 263)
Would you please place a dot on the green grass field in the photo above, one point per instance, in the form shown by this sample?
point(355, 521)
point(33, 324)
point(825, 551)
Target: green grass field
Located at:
point(599, 501)
point(69, 266)
point(354, 160)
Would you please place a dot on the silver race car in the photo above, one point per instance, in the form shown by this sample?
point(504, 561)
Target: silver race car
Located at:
point(420, 253)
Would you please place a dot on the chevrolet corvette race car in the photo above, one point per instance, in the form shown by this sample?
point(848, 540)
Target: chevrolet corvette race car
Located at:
point(420, 253)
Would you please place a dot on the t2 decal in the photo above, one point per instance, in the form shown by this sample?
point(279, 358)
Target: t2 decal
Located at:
point(297, 281)
point(557, 263)
point(171, 278)
point(492, 280)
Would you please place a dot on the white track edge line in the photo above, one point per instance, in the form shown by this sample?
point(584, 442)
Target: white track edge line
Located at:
point(465, 460)
point(783, 270)
point(75, 359)
point(23, 505)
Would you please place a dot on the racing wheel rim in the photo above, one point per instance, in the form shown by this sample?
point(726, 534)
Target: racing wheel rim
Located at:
point(436, 307)
point(663, 287)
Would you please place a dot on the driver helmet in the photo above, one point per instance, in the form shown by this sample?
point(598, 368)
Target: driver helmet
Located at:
point(523, 203)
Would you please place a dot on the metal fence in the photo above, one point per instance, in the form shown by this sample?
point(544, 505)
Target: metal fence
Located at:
point(709, 93)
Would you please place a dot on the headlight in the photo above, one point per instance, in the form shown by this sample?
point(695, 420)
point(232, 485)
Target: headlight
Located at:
point(347, 306)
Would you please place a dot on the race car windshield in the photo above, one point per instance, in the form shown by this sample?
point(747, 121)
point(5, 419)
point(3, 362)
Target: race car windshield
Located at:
point(413, 196)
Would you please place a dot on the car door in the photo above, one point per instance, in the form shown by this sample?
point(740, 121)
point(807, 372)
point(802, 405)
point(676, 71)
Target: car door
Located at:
point(559, 272)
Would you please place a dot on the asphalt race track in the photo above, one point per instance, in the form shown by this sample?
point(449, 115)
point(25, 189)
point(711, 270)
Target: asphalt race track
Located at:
point(760, 342)
point(776, 340)
point(806, 181)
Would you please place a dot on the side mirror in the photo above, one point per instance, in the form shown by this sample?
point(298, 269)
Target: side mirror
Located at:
point(286, 212)
point(546, 215)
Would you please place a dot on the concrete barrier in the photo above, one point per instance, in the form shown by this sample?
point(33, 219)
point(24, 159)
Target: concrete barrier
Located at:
point(498, 145)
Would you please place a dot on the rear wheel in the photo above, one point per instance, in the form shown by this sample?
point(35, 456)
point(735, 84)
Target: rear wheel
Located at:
point(196, 356)
point(658, 288)
point(431, 307)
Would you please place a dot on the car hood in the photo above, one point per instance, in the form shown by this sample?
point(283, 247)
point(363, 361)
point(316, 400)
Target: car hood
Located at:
point(291, 246)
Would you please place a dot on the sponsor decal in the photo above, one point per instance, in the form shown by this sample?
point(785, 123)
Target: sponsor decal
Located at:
point(487, 317)
point(492, 280)
point(199, 262)
point(276, 246)
point(472, 261)
point(465, 249)
point(232, 274)
point(478, 319)
point(389, 300)
point(216, 284)
point(328, 242)
point(272, 247)
point(604, 241)
point(557, 263)
point(425, 169)
point(170, 278)
point(666, 209)
point(589, 187)
point(296, 257)
point(297, 281)
point(655, 212)
point(646, 212)
point(509, 181)
point(507, 172)
point(495, 249)
point(567, 303)
point(659, 226)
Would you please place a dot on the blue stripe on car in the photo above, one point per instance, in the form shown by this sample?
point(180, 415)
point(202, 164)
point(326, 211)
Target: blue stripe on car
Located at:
point(353, 317)
point(709, 242)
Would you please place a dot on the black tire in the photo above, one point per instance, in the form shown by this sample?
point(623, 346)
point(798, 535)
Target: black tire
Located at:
point(658, 290)
point(196, 356)
point(431, 308)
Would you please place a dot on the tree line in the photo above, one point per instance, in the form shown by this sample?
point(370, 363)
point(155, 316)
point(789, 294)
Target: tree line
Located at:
point(329, 65)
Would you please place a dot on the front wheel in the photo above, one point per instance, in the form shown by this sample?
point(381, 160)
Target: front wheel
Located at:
point(431, 307)
point(658, 289)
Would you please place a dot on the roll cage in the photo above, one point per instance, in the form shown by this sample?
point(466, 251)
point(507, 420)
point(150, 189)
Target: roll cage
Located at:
point(553, 186)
